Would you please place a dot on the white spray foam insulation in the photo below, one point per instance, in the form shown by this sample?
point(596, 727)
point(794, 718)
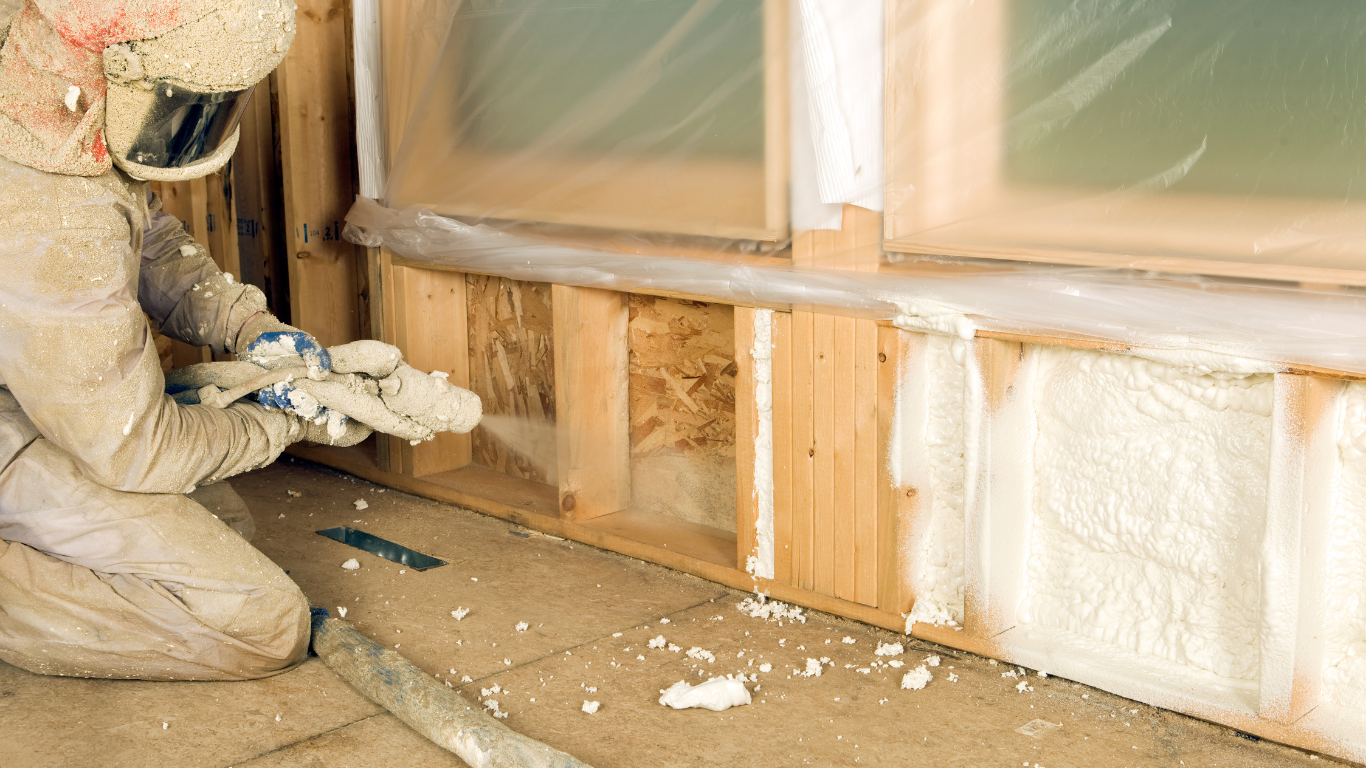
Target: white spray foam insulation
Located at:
point(717, 694)
point(761, 564)
point(937, 576)
point(1149, 502)
point(1344, 609)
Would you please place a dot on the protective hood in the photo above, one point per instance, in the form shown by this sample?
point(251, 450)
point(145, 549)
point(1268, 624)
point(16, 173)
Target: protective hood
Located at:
point(174, 101)
point(53, 89)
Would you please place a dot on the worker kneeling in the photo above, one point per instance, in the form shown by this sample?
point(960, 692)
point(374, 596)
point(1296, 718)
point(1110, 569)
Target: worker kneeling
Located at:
point(107, 568)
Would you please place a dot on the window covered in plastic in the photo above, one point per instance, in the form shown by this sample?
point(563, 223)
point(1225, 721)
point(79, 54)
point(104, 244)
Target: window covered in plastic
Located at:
point(612, 75)
point(649, 116)
point(1239, 97)
point(1223, 137)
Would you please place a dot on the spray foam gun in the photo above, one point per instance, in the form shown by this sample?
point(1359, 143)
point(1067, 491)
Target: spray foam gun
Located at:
point(369, 382)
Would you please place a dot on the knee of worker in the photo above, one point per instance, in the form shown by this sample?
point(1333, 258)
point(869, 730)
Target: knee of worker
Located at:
point(233, 589)
point(226, 585)
point(249, 600)
point(248, 633)
point(277, 633)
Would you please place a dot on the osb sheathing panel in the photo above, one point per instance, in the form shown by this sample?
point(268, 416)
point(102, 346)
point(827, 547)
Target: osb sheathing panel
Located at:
point(683, 409)
point(512, 364)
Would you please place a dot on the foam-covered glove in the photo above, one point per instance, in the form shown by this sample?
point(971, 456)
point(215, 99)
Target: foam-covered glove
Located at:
point(271, 344)
point(369, 383)
point(336, 430)
point(370, 358)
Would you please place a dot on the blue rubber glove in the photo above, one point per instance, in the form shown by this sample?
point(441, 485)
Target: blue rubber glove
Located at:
point(269, 343)
point(286, 397)
point(274, 349)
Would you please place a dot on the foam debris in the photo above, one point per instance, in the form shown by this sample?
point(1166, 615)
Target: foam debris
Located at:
point(717, 694)
point(916, 679)
point(760, 607)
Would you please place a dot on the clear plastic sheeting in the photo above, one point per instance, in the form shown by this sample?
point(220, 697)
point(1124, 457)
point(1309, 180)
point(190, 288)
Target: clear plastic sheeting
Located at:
point(837, 61)
point(612, 113)
point(1187, 321)
point(1063, 162)
point(1182, 135)
point(422, 235)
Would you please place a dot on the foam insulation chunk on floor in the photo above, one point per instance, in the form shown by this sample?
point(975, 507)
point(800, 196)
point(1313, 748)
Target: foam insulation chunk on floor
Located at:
point(916, 679)
point(717, 694)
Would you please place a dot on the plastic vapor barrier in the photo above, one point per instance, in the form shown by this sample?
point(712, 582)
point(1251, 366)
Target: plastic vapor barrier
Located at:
point(1131, 133)
point(614, 113)
point(1043, 159)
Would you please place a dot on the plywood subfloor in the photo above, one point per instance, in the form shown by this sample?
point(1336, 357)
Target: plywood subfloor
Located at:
point(591, 615)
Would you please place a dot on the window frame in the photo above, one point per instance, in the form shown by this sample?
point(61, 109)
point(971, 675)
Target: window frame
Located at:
point(946, 194)
point(713, 198)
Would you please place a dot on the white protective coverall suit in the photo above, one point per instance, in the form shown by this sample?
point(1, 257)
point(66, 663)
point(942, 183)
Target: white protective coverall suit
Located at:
point(106, 568)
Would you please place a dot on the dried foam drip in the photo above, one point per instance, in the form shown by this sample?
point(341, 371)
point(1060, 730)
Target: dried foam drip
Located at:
point(336, 428)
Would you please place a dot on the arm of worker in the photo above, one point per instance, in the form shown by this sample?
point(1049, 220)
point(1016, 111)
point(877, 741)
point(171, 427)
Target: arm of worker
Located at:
point(77, 354)
point(190, 299)
point(185, 294)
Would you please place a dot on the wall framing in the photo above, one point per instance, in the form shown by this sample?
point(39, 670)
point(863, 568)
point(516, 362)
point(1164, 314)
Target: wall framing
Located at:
point(844, 528)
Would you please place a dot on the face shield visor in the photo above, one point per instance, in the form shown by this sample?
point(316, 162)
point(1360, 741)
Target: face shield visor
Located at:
point(183, 127)
point(169, 130)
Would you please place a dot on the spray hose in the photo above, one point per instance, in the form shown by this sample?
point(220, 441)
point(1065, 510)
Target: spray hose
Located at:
point(431, 709)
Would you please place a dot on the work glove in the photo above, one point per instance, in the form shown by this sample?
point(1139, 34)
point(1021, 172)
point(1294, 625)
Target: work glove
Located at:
point(414, 405)
point(369, 383)
point(371, 358)
point(271, 344)
point(336, 430)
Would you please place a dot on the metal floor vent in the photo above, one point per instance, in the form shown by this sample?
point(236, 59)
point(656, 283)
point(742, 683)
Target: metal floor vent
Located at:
point(382, 547)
